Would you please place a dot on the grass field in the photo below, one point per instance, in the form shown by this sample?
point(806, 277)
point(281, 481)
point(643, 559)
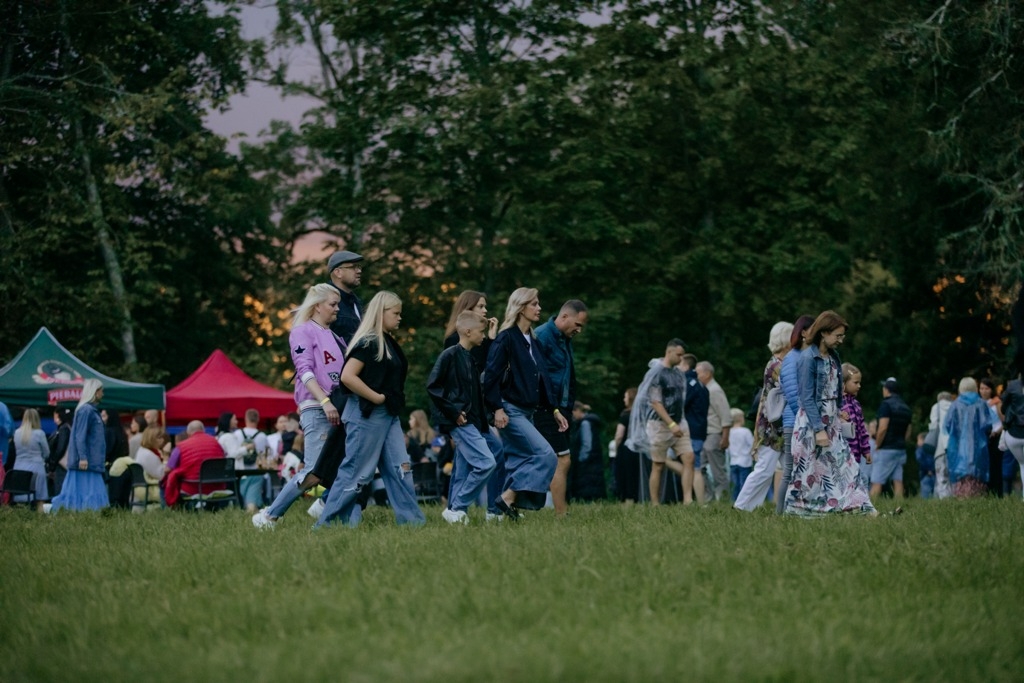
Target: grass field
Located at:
point(611, 594)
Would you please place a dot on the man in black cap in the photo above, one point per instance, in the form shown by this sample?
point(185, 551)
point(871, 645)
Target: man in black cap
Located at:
point(894, 417)
point(345, 269)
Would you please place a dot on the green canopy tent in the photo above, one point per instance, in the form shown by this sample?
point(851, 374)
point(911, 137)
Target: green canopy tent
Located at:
point(45, 373)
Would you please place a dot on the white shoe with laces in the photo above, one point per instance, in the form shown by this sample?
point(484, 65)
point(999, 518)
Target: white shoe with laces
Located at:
point(261, 521)
point(316, 508)
point(455, 516)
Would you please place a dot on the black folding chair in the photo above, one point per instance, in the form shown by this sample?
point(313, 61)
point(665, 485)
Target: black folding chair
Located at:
point(20, 483)
point(211, 473)
point(139, 481)
point(425, 482)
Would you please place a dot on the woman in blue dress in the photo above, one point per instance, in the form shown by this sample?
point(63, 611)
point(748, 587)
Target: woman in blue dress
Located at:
point(84, 488)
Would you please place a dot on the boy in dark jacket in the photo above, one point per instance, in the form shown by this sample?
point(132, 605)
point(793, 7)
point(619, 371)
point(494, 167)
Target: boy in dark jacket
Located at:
point(454, 388)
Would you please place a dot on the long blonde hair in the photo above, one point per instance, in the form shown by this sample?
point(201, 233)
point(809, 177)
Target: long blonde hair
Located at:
point(89, 389)
point(423, 432)
point(372, 324)
point(517, 301)
point(315, 295)
point(29, 422)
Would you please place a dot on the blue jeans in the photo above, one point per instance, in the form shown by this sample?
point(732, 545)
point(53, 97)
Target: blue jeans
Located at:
point(927, 485)
point(496, 482)
point(529, 459)
point(314, 428)
point(372, 443)
point(474, 463)
point(738, 476)
point(698, 448)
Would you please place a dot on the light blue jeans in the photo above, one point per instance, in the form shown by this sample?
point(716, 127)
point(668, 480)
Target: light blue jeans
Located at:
point(529, 459)
point(372, 443)
point(496, 482)
point(314, 429)
point(473, 466)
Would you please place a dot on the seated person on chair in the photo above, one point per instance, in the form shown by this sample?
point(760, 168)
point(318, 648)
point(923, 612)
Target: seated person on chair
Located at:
point(186, 459)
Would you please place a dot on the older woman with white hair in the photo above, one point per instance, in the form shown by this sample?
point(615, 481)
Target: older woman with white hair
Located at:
point(969, 423)
point(826, 477)
point(768, 427)
point(84, 488)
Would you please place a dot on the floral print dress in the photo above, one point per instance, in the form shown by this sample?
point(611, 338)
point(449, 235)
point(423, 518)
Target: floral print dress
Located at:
point(825, 479)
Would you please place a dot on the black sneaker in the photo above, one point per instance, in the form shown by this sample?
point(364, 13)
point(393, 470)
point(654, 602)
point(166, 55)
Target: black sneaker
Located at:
point(510, 511)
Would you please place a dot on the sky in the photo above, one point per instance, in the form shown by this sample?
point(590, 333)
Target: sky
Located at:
point(249, 114)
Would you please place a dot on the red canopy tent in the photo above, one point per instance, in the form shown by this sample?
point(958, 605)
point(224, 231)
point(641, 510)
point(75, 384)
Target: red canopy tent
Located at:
point(219, 386)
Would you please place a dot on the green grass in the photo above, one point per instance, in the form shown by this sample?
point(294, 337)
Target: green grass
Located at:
point(613, 593)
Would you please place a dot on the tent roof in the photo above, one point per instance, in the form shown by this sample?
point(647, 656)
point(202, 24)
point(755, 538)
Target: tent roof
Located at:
point(45, 373)
point(218, 386)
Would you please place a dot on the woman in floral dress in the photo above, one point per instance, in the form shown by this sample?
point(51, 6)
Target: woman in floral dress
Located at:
point(825, 474)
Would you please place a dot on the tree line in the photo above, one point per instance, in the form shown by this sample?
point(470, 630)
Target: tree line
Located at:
point(688, 168)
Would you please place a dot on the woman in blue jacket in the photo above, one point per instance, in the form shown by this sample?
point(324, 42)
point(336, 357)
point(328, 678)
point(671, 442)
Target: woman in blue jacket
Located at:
point(516, 385)
point(84, 488)
point(790, 389)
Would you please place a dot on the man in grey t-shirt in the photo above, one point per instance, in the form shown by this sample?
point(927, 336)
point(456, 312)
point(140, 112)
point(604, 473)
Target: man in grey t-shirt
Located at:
point(666, 426)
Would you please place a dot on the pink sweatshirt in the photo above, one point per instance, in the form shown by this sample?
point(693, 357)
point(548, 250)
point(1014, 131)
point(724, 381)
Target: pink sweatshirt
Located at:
point(316, 354)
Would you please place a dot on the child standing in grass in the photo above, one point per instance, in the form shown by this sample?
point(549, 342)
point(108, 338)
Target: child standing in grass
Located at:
point(741, 446)
point(455, 390)
point(860, 443)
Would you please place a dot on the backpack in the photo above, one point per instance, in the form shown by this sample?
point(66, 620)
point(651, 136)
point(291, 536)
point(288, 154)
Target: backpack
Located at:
point(250, 457)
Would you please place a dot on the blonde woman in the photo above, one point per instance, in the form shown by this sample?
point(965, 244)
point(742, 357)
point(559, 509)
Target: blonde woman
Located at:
point(318, 361)
point(375, 373)
point(516, 385)
point(33, 450)
point(150, 457)
point(419, 436)
point(84, 488)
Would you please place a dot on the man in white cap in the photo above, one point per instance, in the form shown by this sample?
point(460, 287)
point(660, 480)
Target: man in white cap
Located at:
point(345, 269)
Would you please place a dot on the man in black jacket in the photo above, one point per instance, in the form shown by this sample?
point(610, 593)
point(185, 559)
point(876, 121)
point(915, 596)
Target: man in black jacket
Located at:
point(454, 389)
point(345, 270)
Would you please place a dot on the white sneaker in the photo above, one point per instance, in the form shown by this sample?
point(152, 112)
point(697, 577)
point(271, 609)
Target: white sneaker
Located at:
point(316, 508)
point(455, 516)
point(47, 507)
point(261, 521)
point(491, 517)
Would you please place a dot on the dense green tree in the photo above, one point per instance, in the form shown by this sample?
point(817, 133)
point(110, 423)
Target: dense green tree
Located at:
point(127, 228)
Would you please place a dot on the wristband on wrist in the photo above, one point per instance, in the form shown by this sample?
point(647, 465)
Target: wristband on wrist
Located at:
point(325, 400)
point(672, 425)
point(555, 412)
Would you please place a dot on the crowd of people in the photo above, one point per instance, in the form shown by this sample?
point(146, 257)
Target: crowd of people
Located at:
point(505, 429)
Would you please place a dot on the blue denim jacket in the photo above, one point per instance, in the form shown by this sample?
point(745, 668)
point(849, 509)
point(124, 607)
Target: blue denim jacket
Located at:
point(87, 439)
point(812, 373)
point(558, 361)
point(789, 379)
